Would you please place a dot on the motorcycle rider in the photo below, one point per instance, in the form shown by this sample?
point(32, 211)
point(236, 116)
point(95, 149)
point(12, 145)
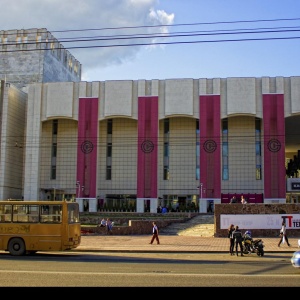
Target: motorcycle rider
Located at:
point(247, 235)
point(248, 241)
point(251, 245)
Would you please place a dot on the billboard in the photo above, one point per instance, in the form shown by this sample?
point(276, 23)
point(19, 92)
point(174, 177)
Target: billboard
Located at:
point(260, 221)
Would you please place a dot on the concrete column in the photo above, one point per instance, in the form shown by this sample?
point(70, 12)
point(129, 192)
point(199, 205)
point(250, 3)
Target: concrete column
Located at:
point(80, 202)
point(203, 205)
point(92, 205)
point(140, 205)
point(153, 205)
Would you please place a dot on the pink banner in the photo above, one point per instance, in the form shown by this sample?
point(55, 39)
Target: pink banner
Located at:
point(274, 146)
point(147, 147)
point(87, 147)
point(210, 145)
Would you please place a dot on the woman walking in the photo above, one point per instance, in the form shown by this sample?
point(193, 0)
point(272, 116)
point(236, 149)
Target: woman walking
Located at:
point(231, 239)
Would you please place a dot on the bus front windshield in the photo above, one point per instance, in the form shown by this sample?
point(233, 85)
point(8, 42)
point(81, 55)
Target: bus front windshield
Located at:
point(73, 213)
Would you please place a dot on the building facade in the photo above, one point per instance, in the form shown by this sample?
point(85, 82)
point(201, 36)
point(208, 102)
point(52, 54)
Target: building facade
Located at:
point(141, 144)
point(167, 142)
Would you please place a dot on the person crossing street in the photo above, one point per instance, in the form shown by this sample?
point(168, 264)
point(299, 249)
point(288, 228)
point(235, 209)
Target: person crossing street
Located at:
point(154, 234)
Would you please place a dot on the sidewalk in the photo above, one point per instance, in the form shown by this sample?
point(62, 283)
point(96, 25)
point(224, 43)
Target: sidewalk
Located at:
point(171, 243)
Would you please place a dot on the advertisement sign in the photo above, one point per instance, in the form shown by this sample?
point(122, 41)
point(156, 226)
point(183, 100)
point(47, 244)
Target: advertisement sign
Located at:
point(260, 221)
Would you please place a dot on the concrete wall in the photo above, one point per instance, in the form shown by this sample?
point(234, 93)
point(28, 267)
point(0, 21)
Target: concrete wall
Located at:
point(137, 224)
point(135, 227)
point(22, 67)
point(12, 119)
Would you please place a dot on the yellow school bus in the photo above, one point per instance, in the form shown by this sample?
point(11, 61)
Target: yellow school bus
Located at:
point(30, 226)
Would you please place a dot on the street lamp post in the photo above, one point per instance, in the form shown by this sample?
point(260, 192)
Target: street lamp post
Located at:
point(201, 190)
point(78, 188)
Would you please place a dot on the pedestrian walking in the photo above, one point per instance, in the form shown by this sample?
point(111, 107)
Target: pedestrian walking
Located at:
point(231, 239)
point(238, 239)
point(283, 236)
point(154, 234)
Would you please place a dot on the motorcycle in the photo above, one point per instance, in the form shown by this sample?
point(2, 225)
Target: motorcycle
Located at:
point(253, 246)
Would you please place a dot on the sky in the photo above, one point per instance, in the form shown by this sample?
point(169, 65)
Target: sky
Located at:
point(167, 39)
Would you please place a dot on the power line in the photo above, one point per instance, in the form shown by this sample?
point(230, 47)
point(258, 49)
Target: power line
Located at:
point(180, 34)
point(156, 43)
point(162, 43)
point(176, 25)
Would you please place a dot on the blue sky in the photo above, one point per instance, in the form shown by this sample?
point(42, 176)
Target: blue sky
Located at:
point(206, 57)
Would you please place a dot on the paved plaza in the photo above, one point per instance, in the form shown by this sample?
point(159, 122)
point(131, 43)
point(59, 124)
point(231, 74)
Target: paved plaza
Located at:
point(171, 243)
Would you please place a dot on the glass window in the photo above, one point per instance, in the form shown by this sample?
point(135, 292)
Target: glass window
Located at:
point(166, 149)
point(51, 213)
point(225, 174)
point(109, 146)
point(109, 150)
point(53, 172)
point(197, 150)
point(108, 172)
point(5, 213)
point(166, 173)
point(109, 126)
point(258, 148)
point(166, 126)
point(55, 127)
point(258, 172)
point(73, 213)
point(225, 150)
point(54, 150)
point(26, 213)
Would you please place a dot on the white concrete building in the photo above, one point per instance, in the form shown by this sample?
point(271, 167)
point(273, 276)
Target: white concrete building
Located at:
point(140, 144)
point(160, 142)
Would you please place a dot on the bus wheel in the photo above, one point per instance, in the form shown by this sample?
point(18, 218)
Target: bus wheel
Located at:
point(16, 247)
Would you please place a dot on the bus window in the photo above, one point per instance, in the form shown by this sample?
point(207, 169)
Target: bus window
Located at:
point(51, 214)
point(25, 213)
point(73, 213)
point(5, 213)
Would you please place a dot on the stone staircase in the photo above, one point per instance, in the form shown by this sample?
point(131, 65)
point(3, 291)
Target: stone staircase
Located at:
point(200, 225)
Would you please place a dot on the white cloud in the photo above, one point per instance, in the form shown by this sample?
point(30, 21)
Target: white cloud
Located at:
point(55, 15)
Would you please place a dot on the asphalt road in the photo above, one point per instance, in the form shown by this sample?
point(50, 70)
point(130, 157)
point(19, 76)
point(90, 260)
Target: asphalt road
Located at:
point(107, 269)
